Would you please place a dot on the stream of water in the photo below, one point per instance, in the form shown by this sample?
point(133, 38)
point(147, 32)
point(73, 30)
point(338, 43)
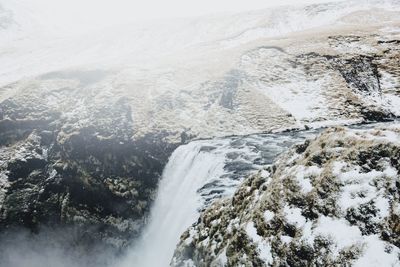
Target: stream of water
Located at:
point(197, 174)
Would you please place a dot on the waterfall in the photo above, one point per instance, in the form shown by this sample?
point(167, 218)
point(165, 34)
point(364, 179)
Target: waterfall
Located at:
point(177, 204)
point(195, 175)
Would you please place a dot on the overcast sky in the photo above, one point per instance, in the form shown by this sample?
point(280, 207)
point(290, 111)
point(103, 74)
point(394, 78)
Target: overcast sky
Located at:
point(109, 12)
point(146, 9)
point(170, 8)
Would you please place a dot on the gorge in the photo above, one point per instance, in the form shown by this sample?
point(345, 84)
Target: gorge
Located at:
point(222, 140)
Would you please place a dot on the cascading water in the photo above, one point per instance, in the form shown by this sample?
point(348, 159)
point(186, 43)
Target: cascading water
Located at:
point(196, 175)
point(177, 204)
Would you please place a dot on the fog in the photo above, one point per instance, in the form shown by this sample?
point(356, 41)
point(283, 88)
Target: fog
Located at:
point(51, 247)
point(67, 15)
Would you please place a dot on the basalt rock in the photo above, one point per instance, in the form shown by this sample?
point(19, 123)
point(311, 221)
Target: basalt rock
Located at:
point(76, 168)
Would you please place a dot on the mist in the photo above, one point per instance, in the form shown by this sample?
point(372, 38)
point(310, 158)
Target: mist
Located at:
point(55, 247)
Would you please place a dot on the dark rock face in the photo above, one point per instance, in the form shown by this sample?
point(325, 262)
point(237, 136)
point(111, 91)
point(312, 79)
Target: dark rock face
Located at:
point(229, 88)
point(77, 168)
point(360, 72)
point(353, 78)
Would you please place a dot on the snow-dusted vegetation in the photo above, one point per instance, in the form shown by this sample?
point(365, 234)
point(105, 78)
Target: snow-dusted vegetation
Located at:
point(330, 201)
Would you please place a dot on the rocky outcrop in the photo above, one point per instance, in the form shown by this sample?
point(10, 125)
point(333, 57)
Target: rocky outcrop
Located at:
point(331, 83)
point(68, 162)
point(330, 201)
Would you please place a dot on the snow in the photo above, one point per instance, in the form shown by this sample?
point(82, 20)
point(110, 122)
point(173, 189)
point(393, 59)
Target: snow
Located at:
point(333, 123)
point(355, 47)
point(150, 61)
point(290, 88)
point(357, 186)
point(189, 263)
point(388, 84)
point(378, 135)
point(286, 239)
point(376, 253)
point(222, 259)
point(294, 217)
point(373, 249)
point(264, 248)
point(307, 233)
point(361, 188)
point(4, 184)
point(303, 175)
point(268, 215)
point(338, 167)
point(264, 174)
point(294, 97)
point(291, 19)
point(383, 205)
point(340, 231)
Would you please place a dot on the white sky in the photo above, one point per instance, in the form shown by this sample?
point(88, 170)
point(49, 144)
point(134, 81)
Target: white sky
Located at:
point(164, 8)
point(74, 16)
point(100, 11)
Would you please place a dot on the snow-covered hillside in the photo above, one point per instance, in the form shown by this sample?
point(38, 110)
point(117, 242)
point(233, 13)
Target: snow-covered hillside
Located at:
point(212, 76)
point(332, 201)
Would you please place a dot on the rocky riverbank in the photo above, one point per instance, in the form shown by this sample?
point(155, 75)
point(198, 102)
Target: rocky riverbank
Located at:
point(330, 201)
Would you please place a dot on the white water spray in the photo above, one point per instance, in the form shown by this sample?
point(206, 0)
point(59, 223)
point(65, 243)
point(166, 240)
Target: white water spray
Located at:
point(177, 204)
